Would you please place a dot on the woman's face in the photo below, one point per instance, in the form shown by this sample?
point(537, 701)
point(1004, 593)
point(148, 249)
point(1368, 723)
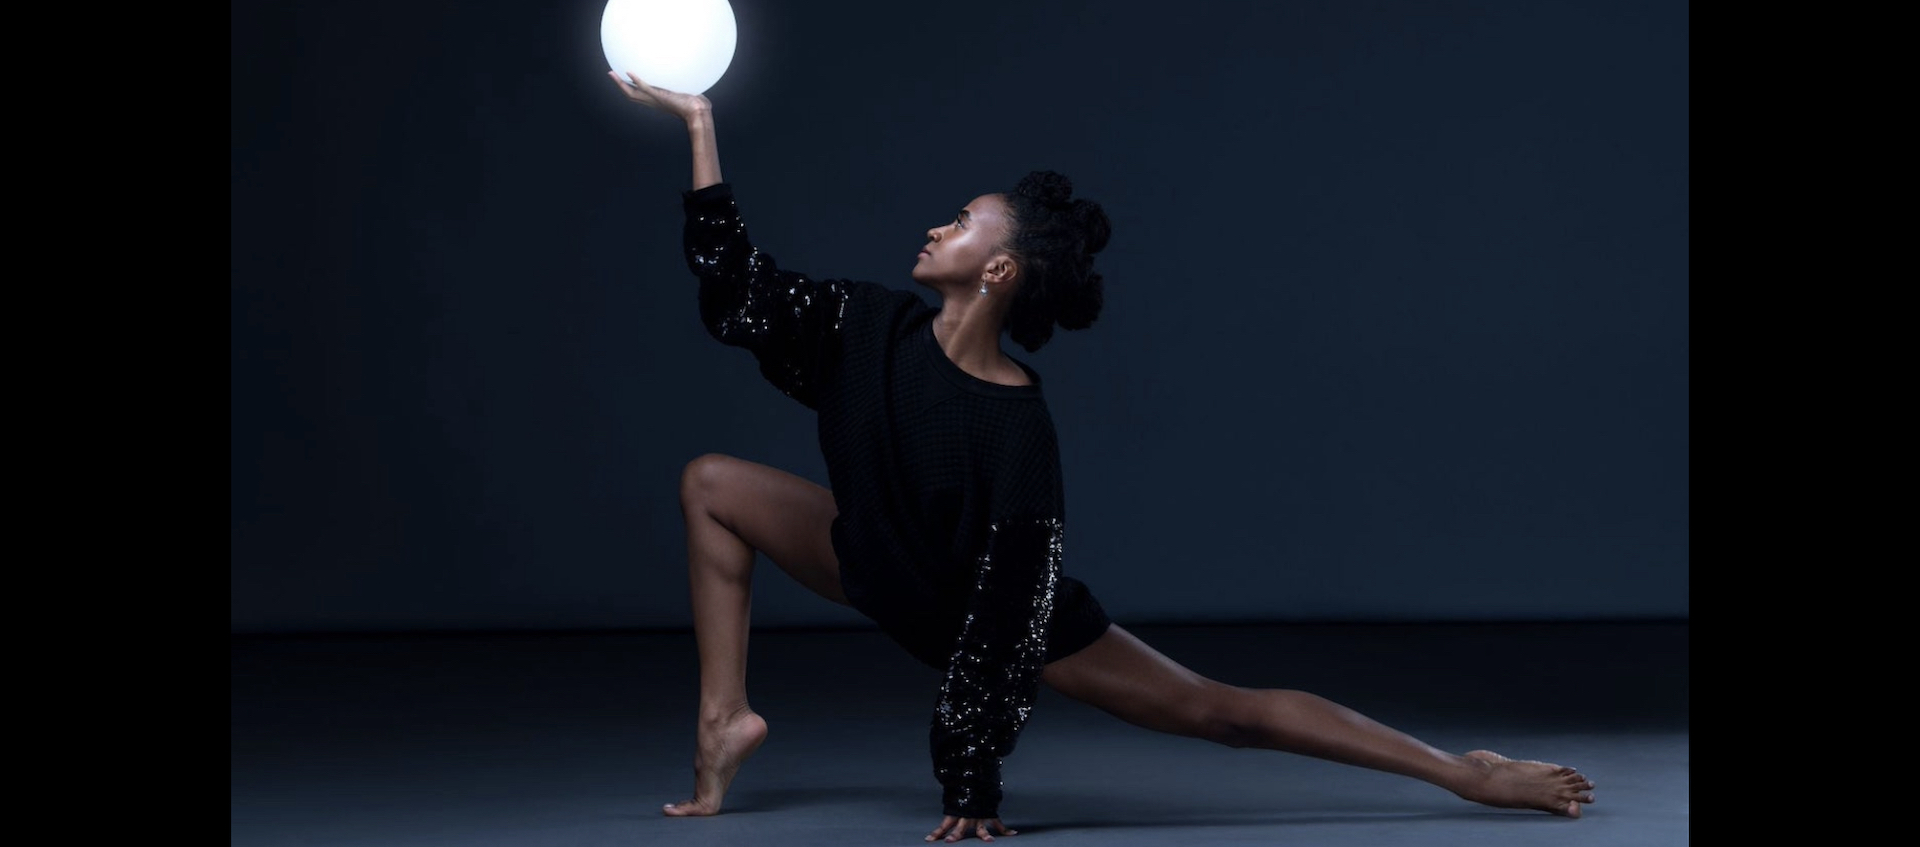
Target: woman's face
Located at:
point(967, 249)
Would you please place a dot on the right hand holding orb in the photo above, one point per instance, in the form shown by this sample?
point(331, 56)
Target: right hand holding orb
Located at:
point(672, 102)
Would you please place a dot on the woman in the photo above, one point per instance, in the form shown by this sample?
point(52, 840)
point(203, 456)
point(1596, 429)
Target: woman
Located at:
point(944, 523)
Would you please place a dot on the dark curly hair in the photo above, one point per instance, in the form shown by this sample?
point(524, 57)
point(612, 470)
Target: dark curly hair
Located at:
point(1054, 237)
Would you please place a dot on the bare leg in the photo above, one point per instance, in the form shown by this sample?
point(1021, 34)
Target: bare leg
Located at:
point(1299, 722)
point(732, 508)
point(1123, 676)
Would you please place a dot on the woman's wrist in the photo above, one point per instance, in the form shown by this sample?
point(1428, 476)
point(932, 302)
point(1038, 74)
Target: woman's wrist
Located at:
point(706, 158)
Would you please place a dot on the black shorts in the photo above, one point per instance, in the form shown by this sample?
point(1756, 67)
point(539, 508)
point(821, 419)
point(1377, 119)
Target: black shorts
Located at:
point(1078, 620)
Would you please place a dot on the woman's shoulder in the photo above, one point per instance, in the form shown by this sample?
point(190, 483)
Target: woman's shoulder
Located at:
point(1026, 435)
point(875, 317)
point(894, 305)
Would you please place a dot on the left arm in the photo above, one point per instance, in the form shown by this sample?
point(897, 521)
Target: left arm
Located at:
point(994, 674)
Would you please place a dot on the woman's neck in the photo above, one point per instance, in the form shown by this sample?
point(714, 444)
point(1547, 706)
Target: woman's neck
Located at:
point(969, 333)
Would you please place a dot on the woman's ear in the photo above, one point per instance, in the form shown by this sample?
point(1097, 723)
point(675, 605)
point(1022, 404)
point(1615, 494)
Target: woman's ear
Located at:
point(1002, 268)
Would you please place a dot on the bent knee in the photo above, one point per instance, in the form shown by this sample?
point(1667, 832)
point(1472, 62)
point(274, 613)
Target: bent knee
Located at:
point(702, 475)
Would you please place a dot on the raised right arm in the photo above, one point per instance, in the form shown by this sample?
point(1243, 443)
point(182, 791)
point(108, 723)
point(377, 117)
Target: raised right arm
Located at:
point(706, 155)
point(695, 109)
point(791, 323)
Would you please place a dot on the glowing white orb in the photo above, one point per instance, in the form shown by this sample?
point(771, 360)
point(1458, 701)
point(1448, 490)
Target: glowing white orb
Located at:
point(679, 45)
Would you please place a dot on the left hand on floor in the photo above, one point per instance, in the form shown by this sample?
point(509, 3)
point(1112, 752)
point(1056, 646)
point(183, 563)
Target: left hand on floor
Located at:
point(954, 829)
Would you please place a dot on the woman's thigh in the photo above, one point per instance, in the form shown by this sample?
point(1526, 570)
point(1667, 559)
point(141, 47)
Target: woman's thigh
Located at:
point(1123, 676)
point(786, 517)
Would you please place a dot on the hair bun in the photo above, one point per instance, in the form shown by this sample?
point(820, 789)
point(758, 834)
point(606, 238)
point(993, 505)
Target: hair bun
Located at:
point(1055, 236)
point(1083, 308)
point(1093, 224)
point(1050, 188)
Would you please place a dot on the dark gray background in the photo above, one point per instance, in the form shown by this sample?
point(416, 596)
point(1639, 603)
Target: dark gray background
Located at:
point(1397, 319)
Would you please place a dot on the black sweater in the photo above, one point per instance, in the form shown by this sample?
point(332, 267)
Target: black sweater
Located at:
point(948, 486)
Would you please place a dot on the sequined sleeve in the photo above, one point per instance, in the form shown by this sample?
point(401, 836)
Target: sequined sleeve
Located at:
point(789, 322)
point(993, 677)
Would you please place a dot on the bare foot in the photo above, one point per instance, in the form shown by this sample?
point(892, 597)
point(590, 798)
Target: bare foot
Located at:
point(723, 745)
point(1511, 784)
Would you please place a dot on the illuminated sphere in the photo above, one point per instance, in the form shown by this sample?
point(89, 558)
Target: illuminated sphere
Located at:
point(679, 45)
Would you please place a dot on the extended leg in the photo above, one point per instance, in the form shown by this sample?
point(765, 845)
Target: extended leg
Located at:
point(1122, 676)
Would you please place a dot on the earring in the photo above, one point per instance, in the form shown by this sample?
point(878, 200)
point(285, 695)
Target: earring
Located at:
point(983, 289)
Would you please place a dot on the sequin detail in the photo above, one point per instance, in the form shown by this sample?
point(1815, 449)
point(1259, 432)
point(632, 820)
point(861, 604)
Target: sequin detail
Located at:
point(790, 322)
point(994, 675)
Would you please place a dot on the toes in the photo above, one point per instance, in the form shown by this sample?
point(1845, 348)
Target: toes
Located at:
point(686, 808)
point(1577, 795)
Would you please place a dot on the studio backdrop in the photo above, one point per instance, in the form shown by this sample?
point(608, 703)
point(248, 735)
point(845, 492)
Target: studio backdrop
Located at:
point(1396, 321)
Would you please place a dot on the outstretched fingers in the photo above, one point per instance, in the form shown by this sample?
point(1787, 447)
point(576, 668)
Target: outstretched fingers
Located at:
point(639, 93)
point(954, 829)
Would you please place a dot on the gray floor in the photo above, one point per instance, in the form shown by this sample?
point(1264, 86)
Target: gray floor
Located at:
point(578, 740)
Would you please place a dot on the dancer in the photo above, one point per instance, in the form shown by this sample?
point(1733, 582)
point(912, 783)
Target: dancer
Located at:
point(945, 522)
